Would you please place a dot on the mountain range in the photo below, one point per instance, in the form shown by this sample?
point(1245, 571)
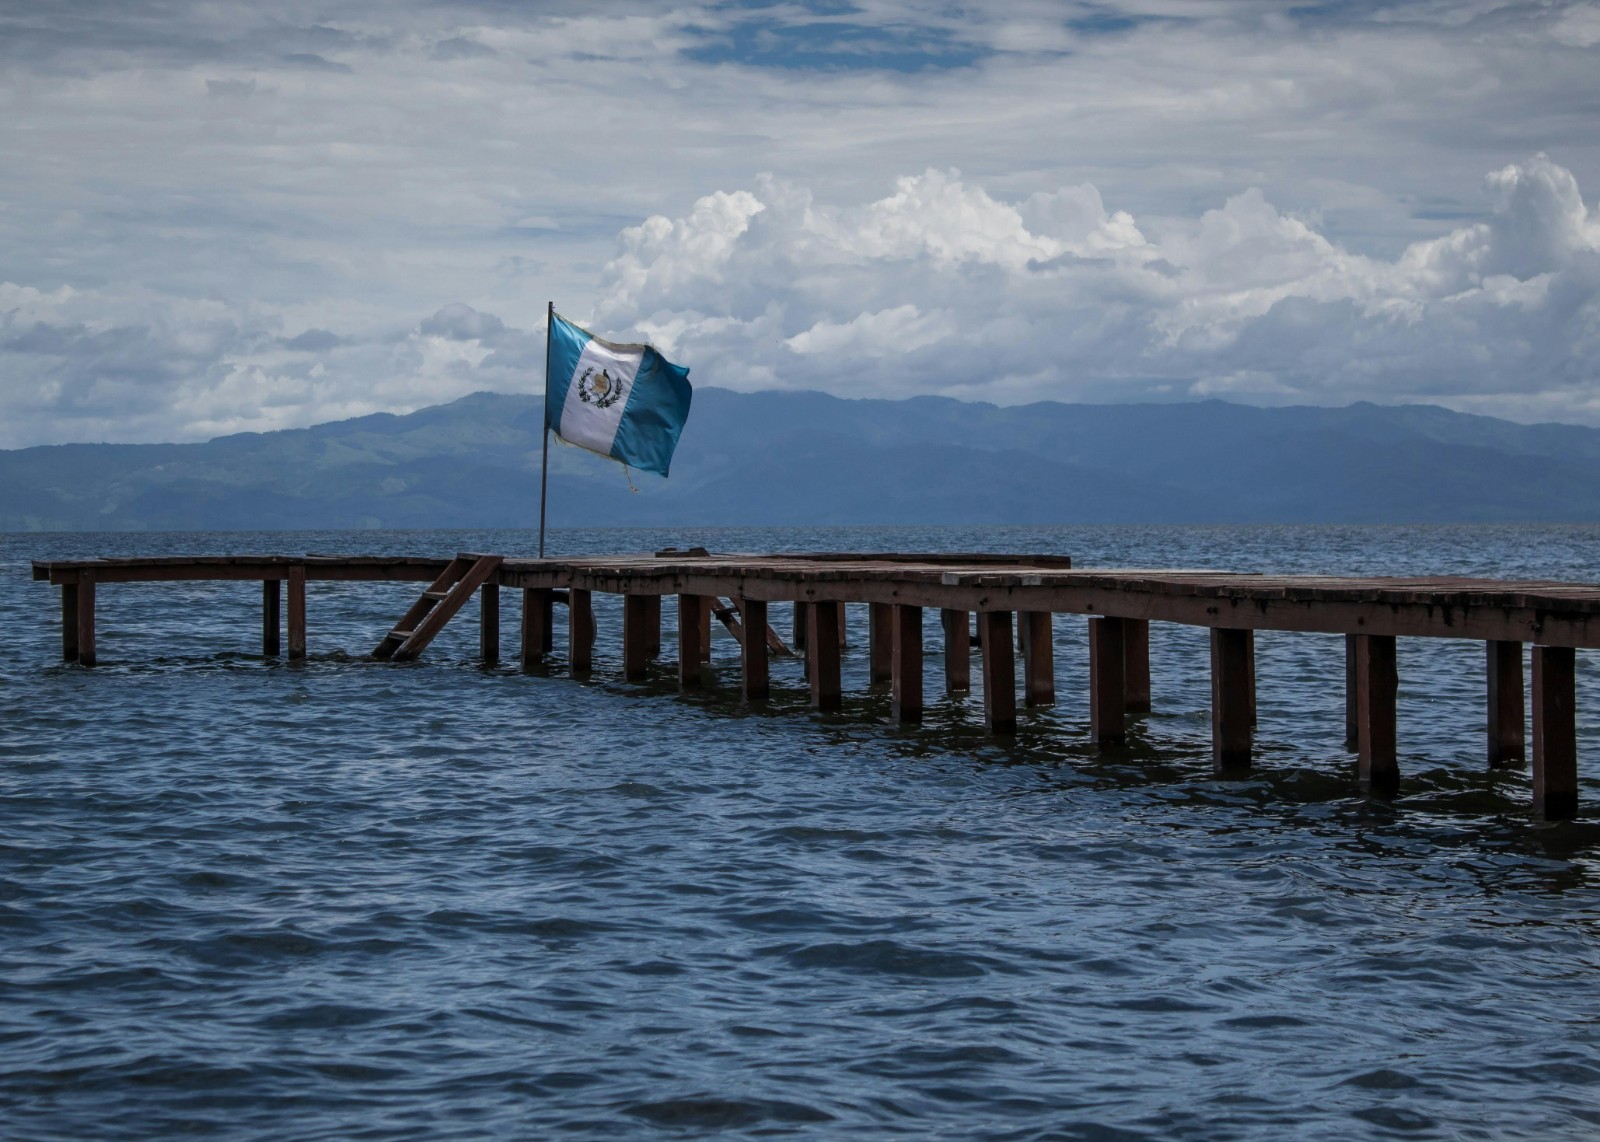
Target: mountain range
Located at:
point(806, 458)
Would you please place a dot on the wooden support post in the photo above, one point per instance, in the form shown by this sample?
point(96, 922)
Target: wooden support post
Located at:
point(69, 621)
point(957, 651)
point(1036, 634)
point(580, 631)
point(1230, 699)
point(537, 613)
point(296, 593)
point(84, 619)
point(651, 618)
point(1352, 721)
point(271, 620)
point(753, 673)
point(822, 655)
point(880, 642)
point(1250, 673)
point(489, 623)
point(691, 639)
point(1555, 733)
point(641, 615)
point(1507, 718)
point(549, 624)
point(1136, 664)
point(844, 625)
point(999, 672)
point(1377, 683)
point(1108, 682)
point(801, 624)
point(706, 603)
point(905, 661)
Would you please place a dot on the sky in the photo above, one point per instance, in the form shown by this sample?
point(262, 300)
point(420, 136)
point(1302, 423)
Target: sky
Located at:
point(219, 217)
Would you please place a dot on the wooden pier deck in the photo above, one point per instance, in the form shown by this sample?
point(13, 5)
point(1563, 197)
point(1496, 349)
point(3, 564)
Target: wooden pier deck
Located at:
point(1015, 599)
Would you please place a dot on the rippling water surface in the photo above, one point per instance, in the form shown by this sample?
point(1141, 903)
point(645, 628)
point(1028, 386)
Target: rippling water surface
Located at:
point(344, 899)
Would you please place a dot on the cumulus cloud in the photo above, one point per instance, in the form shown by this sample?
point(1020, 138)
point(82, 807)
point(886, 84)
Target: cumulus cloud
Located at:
point(220, 216)
point(940, 286)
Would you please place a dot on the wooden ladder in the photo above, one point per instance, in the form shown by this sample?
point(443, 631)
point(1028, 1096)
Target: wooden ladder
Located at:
point(438, 605)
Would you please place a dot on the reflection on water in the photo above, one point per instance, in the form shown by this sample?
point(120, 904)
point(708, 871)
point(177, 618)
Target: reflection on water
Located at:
point(356, 900)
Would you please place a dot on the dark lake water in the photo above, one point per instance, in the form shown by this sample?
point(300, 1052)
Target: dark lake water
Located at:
point(351, 900)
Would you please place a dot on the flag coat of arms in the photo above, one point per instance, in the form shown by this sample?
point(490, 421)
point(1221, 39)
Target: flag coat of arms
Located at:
point(627, 402)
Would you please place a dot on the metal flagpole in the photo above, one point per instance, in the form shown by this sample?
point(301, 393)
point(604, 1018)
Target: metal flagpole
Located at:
point(544, 461)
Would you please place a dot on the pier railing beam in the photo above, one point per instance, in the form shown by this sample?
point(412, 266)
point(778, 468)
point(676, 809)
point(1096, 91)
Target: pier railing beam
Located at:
point(85, 618)
point(906, 662)
point(1507, 717)
point(69, 621)
point(1036, 635)
point(580, 631)
point(880, 643)
point(538, 609)
point(641, 615)
point(296, 592)
point(1377, 683)
point(957, 651)
point(822, 655)
point(271, 620)
point(1108, 680)
point(999, 672)
point(489, 623)
point(1555, 733)
point(1231, 686)
point(1136, 664)
point(692, 631)
point(754, 679)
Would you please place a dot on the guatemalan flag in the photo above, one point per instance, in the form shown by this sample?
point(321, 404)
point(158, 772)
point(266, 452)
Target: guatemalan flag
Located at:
point(627, 402)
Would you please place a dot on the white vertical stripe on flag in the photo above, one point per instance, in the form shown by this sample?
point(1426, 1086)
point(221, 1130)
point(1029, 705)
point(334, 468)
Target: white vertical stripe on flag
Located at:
point(585, 422)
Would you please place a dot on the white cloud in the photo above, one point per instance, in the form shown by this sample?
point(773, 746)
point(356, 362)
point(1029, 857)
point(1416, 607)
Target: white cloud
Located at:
point(219, 215)
point(941, 287)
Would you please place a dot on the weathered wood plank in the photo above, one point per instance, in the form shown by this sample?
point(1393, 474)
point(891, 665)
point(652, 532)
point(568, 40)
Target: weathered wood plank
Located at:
point(1136, 664)
point(692, 635)
point(880, 643)
point(85, 618)
point(1507, 721)
point(822, 655)
point(641, 628)
point(957, 651)
point(905, 662)
point(296, 593)
point(1352, 696)
point(580, 631)
point(1108, 680)
point(1231, 684)
point(537, 613)
point(754, 679)
point(1555, 733)
point(489, 623)
point(1377, 684)
point(69, 621)
point(271, 621)
point(651, 618)
point(1036, 636)
point(999, 673)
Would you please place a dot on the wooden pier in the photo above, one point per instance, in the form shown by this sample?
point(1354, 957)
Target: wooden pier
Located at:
point(1014, 599)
